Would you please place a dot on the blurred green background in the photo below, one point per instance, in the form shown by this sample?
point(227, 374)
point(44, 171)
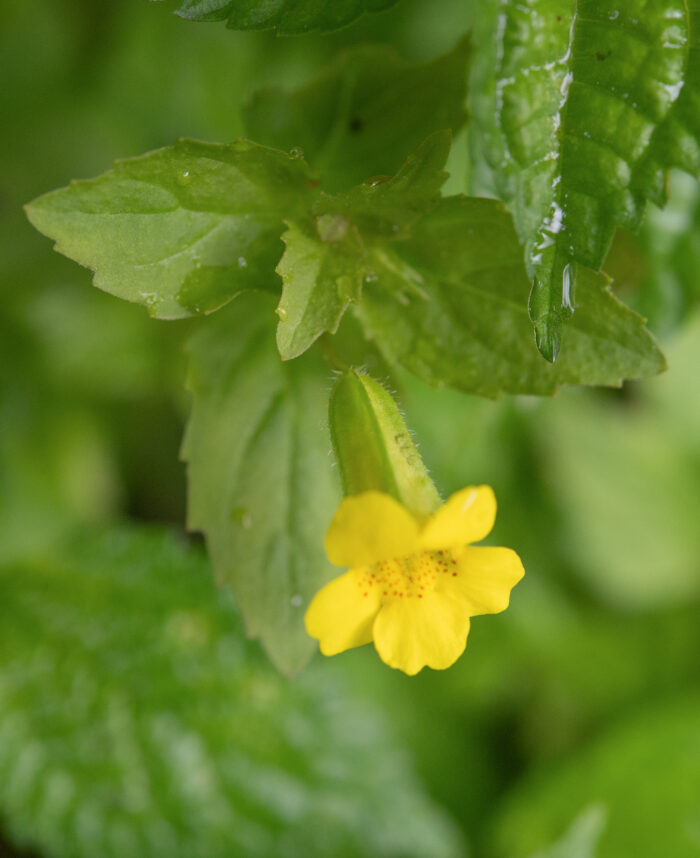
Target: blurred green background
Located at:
point(135, 720)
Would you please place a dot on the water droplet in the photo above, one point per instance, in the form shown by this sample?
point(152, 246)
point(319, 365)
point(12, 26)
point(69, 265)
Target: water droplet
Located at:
point(241, 516)
point(150, 299)
point(296, 600)
point(371, 277)
point(568, 285)
point(281, 313)
point(184, 177)
point(373, 181)
point(242, 262)
point(296, 152)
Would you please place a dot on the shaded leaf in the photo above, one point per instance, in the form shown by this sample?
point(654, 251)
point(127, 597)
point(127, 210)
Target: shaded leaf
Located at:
point(366, 114)
point(135, 719)
point(450, 305)
point(326, 261)
point(182, 229)
point(580, 97)
point(286, 16)
point(388, 206)
point(261, 486)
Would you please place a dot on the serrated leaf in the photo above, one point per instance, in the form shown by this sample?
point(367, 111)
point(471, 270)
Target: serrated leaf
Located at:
point(450, 305)
point(569, 117)
point(325, 261)
point(388, 206)
point(366, 114)
point(286, 16)
point(261, 487)
point(320, 277)
point(183, 229)
point(676, 141)
point(136, 720)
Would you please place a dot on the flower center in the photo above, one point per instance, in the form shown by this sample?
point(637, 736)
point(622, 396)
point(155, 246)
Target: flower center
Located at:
point(406, 577)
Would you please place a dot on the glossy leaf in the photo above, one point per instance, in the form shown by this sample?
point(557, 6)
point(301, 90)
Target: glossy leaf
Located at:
point(366, 114)
point(580, 96)
point(325, 261)
point(135, 719)
point(450, 304)
point(261, 487)
point(182, 229)
point(676, 142)
point(286, 16)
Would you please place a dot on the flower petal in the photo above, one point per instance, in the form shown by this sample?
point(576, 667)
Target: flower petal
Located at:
point(370, 527)
point(466, 517)
point(341, 614)
point(485, 577)
point(412, 633)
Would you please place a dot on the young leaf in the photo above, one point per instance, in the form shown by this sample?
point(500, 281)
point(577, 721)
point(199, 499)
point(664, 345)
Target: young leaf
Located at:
point(569, 119)
point(366, 114)
point(450, 305)
point(261, 486)
point(325, 262)
point(321, 275)
point(286, 16)
point(183, 229)
point(136, 720)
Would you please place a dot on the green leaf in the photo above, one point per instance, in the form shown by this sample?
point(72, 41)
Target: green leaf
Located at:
point(580, 95)
point(450, 305)
point(261, 487)
point(581, 839)
point(183, 229)
point(325, 262)
point(644, 772)
point(136, 720)
point(676, 142)
point(321, 275)
point(286, 16)
point(388, 206)
point(366, 114)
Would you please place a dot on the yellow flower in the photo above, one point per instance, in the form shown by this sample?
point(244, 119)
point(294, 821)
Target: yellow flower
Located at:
point(413, 584)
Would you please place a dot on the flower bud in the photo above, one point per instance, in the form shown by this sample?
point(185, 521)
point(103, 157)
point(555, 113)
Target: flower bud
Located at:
point(373, 446)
